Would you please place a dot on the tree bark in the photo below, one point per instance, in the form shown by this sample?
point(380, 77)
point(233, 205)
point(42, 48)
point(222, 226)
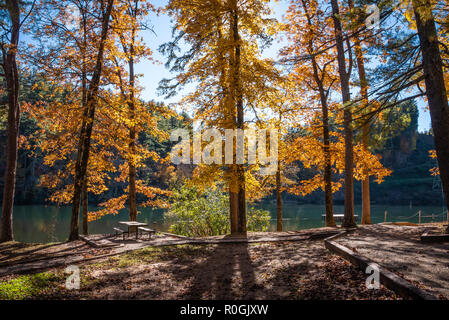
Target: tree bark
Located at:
point(435, 87)
point(85, 207)
point(12, 86)
point(85, 212)
point(237, 201)
point(366, 198)
point(132, 138)
point(279, 199)
point(132, 192)
point(132, 181)
point(348, 220)
point(241, 196)
point(330, 222)
point(229, 123)
point(86, 130)
point(233, 207)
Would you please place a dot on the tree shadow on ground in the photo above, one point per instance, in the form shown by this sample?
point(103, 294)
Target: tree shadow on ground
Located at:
point(222, 271)
point(282, 270)
point(401, 251)
point(228, 274)
point(334, 279)
point(7, 247)
point(40, 254)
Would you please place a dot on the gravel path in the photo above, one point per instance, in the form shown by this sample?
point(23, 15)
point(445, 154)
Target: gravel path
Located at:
point(399, 249)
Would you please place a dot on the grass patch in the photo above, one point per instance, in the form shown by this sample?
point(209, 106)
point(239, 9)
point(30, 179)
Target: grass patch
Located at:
point(28, 286)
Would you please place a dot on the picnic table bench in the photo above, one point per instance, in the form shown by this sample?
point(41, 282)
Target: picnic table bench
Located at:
point(146, 230)
point(120, 231)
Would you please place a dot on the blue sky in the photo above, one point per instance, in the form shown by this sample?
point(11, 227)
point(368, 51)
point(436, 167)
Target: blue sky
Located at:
point(152, 72)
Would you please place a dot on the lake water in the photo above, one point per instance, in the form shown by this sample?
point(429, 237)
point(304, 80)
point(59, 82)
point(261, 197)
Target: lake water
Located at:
point(48, 224)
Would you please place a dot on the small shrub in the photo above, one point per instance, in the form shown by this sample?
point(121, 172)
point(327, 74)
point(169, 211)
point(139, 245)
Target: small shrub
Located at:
point(257, 219)
point(203, 214)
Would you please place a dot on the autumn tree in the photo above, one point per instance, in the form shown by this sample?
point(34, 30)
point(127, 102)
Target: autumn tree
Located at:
point(224, 61)
point(75, 33)
point(345, 72)
point(363, 80)
point(120, 116)
point(126, 49)
point(306, 150)
point(278, 108)
point(365, 33)
point(10, 22)
point(69, 60)
point(435, 86)
point(286, 115)
point(307, 28)
point(414, 62)
point(313, 40)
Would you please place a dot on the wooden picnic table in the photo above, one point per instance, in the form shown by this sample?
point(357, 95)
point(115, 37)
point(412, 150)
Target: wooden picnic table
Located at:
point(136, 224)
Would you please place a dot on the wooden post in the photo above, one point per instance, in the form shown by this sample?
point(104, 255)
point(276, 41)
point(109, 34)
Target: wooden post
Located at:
point(419, 214)
point(385, 216)
point(154, 226)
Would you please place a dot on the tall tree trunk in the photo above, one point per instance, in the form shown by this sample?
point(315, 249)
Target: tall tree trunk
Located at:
point(132, 139)
point(233, 206)
point(241, 211)
point(85, 210)
point(366, 201)
point(366, 198)
point(12, 86)
point(132, 180)
point(330, 222)
point(228, 108)
point(435, 87)
point(132, 192)
point(86, 130)
point(85, 207)
point(278, 199)
point(348, 220)
point(241, 202)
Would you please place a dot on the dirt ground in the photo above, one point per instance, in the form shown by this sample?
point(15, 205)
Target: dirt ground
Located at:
point(399, 249)
point(213, 268)
point(18, 257)
point(16, 253)
point(280, 270)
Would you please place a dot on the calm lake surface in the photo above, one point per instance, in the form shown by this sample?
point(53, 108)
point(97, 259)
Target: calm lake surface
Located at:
point(48, 224)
